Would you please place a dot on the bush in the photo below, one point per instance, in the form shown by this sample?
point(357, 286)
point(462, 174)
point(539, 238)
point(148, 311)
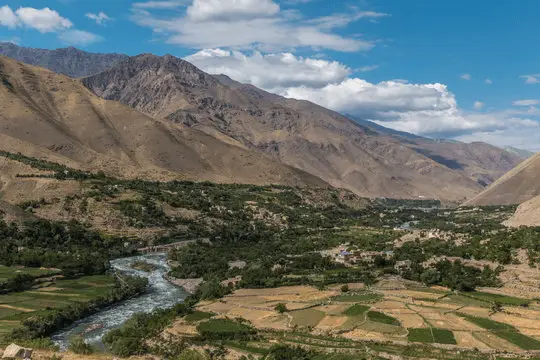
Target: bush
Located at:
point(281, 308)
point(224, 329)
point(345, 288)
point(189, 354)
point(285, 352)
point(79, 346)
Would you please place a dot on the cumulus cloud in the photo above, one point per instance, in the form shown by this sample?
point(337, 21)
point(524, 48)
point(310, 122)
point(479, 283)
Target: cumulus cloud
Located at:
point(273, 72)
point(424, 109)
point(49, 21)
point(43, 20)
point(8, 18)
point(466, 77)
point(100, 18)
point(204, 10)
point(531, 79)
point(489, 81)
point(79, 37)
point(248, 24)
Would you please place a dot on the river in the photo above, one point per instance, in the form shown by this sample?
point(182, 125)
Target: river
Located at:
point(161, 295)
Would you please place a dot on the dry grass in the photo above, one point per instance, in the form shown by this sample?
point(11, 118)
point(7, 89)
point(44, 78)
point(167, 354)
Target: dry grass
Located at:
point(466, 339)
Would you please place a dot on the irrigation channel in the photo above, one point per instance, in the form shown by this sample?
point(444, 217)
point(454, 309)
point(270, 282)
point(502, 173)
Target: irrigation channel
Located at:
point(161, 295)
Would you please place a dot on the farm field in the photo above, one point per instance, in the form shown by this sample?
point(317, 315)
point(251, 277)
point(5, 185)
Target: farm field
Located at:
point(10, 272)
point(15, 307)
point(408, 313)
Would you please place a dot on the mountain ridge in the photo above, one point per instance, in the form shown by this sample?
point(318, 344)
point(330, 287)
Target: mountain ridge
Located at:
point(328, 145)
point(298, 133)
point(54, 117)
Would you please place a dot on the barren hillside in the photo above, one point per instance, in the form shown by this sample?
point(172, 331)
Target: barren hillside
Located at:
point(54, 117)
point(517, 186)
point(298, 133)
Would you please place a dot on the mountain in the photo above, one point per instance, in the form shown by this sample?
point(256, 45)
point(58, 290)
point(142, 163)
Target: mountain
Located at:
point(515, 187)
point(527, 214)
point(382, 129)
point(482, 162)
point(479, 161)
point(356, 155)
point(298, 133)
point(69, 61)
point(520, 152)
point(54, 117)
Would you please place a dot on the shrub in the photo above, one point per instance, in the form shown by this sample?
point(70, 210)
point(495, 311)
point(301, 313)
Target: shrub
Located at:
point(281, 308)
point(79, 346)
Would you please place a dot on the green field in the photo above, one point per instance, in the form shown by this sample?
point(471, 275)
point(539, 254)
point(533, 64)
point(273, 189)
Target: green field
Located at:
point(505, 300)
point(9, 272)
point(223, 329)
point(198, 316)
point(362, 297)
point(432, 335)
point(308, 317)
point(505, 331)
point(16, 307)
point(382, 318)
point(356, 310)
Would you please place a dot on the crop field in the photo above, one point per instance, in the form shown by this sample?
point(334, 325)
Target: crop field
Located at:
point(16, 307)
point(401, 313)
point(9, 272)
point(432, 335)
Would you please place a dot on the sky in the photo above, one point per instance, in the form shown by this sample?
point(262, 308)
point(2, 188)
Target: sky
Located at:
point(465, 70)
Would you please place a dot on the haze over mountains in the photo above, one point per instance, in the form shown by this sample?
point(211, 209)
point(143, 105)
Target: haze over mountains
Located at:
point(226, 131)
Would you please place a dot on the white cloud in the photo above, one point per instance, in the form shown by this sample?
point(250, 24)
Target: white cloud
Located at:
point(478, 105)
point(272, 72)
point(489, 81)
point(79, 37)
point(531, 79)
point(44, 20)
point(526, 102)
point(100, 18)
point(205, 10)
point(159, 4)
point(367, 68)
point(8, 17)
point(424, 109)
point(248, 24)
point(466, 77)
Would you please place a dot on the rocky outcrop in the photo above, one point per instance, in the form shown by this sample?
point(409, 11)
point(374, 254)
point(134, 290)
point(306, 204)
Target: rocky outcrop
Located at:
point(15, 351)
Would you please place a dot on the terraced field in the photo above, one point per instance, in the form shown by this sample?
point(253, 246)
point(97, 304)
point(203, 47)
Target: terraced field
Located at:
point(16, 307)
point(401, 313)
point(10, 272)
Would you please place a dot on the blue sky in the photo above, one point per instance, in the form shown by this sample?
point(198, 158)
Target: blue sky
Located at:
point(453, 69)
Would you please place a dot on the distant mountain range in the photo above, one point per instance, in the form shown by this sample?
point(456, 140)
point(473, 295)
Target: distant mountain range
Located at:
point(210, 127)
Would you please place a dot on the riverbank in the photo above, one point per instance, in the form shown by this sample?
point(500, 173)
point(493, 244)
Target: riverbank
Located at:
point(189, 285)
point(161, 294)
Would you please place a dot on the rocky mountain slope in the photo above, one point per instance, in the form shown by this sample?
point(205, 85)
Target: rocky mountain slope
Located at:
point(517, 186)
point(480, 161)
point(298, 133)
point(370, 160)
point(54, 117)
point(68, 61)
point(527, 214)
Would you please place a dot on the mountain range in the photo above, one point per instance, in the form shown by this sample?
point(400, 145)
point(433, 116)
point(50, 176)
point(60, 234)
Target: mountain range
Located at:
point(177, 121)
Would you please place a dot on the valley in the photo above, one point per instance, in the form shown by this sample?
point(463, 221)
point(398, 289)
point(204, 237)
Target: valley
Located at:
point(322, 270)
point(151, 210)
